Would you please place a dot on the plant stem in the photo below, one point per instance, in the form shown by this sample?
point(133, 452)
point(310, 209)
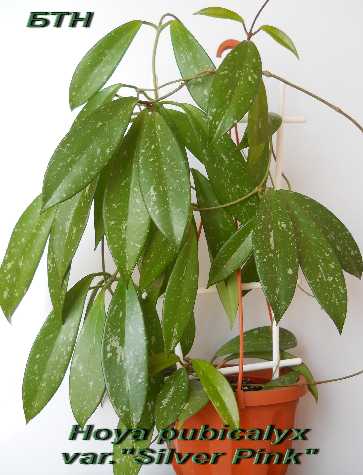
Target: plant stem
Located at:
point(103, 260)
point(155, 49)
point(256, 18)
point(337, 109)
point(148, 23)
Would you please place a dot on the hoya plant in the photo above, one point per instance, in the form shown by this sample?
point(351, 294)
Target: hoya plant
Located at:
point(128, 156)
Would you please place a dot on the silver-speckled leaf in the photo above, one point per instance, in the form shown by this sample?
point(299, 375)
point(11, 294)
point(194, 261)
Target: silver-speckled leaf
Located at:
point(125, 215)
point(187, 340)
point(164, 177)
point(181, 292)
point(171, 398)
point(192, 60)
point(258, 124)
point(51, 352)
point(23, 254)
point(86, 382)
point(100, 61)
point(219, 392)
point(275, 251)
point(154, 332)
point(125, 355)
point(98, 220)
point(234, 88)
point(85, 150)
point(57, 284)
point(99, 99)
point(197, 399)
point(233, 254)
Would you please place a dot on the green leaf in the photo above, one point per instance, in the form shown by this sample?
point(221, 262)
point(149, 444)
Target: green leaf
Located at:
point(281, 38)
point(218, 391)
point(234, 88)
point(233, 254)
point(274, 123)
point(23, 254)
point(285, 380)
point(57, 284)
point(125, 358)
point(51, 352)
point(164, 177)
point(86, 150)
point(98, 219)
point(197, 399)
point(258, 125)
point(304, 370)
point(99, 99)
point(171, 398)
point(275, 250)
point(192, 60)
point(188, 337)
point(181, 292)
point(97, 66)
point(86, 382)
point(220, 12)
point(161, 361)
point(125, 215)
point(153, 328)
point(257, 340)
point(159, 254)
point(69, 224)
point(318, 261)
point(258, 163)
point(339, 237)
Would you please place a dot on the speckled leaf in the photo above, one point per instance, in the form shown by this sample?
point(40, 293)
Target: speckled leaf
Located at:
point(164, 177)
point(197, 399)
point(171, 398)
point(96, 101)
point(125, 358)
point(125, 215)
point(23, 254)
point(339, 237)
point(86, 382)
point(274, 123)
point(233, 254)
point(85, 151)
point(181, 292)
point(51, 352)
point(284, 380)
point(305, 371)
point(192, 60)
point(282, 38)
point(258, 340)
point(275, 250)
point(97, 66)
point(220, 12)
point(188, 337)
point(258, 163)
point(258, 126)
point(98, 220)
point(318, 262)
point(218, 391)
point(57, 284)
point(234, 88)
point(161, 361)
point(69, 224)
point(153, 328)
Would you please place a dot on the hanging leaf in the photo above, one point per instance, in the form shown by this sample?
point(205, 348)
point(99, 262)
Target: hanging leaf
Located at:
point(233, 254)
point(51, 352)
point(57, 284)
point(86, 383)
point(281, 38)
point(164, 178)
point(97, 66)
point(218, 391)
point(258, 124)
point(318, 261)
point(197, 399)
point(98, 219)
point(188, 337)
point(126, 217)
point(304, 370)
point(181, 292)
point(125, 359)
point(99, 99)
point(153, 328)
point(220, 12)
point(275, 252)
point(274, 123)
point(234, 88)
point(85, 151)
point(171, 398)
point(161, 361)
point(192, 60)
point(23, 254)
point(339, 237)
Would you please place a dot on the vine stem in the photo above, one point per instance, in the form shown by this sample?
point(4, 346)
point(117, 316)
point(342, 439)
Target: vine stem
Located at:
point(256, 17)
point(335, 108)
point(155, 49)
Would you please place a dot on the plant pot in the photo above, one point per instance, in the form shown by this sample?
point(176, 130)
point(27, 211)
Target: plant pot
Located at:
point(274, 407)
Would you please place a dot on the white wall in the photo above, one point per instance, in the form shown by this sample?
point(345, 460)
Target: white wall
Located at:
point(323, 160)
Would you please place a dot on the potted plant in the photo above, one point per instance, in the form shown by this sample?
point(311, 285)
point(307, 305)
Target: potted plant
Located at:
point(119, 331)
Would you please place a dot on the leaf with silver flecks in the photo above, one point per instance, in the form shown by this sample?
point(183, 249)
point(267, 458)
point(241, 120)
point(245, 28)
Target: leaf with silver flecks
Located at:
point(161, 361)
point(234, 88)
point(154, 332)
point(57, 284)
point(181, 292)
point(192, 61)
point(281, 37)
point(274, 123)
point(51, 352)
point(98, 219)
point(187, 340)
point(197, 399)
point(86, 382)
point(125, 355)
point(125, 215)
point(164, 177)
point(23, 254)
point(171, 398)
point(258, 125)
point(219, 392)
point(86, 150)
point(96, 101)
point(97, 66)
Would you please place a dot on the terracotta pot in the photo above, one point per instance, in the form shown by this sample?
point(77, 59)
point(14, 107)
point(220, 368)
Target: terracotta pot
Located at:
point(260, 409)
